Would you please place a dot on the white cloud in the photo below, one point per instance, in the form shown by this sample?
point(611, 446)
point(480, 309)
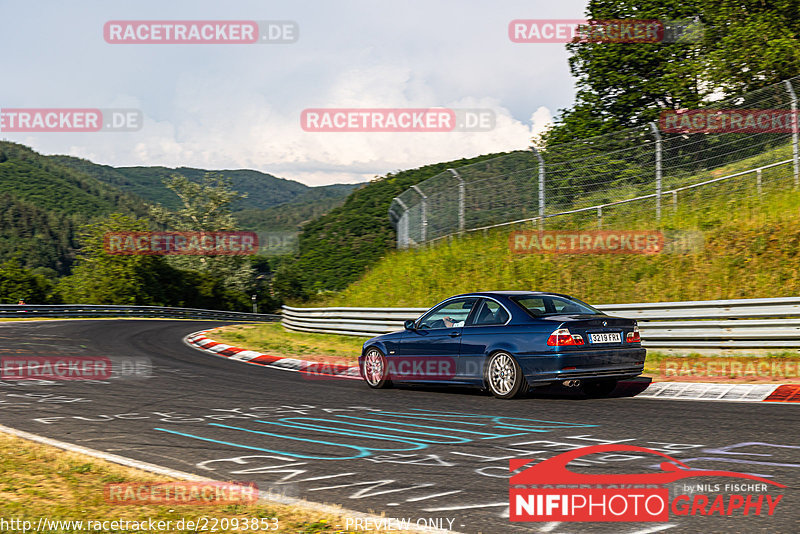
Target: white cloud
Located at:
point(239, 107)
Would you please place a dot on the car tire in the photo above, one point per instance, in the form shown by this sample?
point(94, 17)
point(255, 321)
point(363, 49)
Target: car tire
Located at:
point(603, 388)
point(374, 369)
point(504, 376)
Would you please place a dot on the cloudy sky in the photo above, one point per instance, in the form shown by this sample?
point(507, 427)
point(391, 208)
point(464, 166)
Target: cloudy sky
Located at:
point(238, 106)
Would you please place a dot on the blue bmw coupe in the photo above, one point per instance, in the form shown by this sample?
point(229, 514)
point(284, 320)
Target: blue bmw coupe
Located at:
point(508, 342)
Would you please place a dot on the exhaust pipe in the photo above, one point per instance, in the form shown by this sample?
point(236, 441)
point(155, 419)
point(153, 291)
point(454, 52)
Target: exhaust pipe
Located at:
point(572, 383)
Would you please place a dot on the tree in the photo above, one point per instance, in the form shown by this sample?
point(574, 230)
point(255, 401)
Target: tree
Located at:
point(18, 283)
point(103, 278)
point(752, 43)
point(621, 85)
point(206, 208)
point(743, 45)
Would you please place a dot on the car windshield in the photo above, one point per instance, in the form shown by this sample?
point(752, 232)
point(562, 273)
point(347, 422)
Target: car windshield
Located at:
point(539, 305)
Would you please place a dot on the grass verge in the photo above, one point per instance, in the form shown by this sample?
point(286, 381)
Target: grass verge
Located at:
point(747, 246)
point(38, 480)
point(781, 367)
point(272, 338)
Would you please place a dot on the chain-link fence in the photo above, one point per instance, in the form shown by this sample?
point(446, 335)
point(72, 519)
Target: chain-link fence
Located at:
point(646, 170)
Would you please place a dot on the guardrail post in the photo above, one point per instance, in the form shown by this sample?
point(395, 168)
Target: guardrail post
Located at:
point(657, 135)
point(461, 200)
point(793, 99)
point(423, 214)
point(541, 187)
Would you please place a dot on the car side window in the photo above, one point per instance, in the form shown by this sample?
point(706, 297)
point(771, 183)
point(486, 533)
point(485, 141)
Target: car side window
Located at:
point(489, 313)
point(451, 314)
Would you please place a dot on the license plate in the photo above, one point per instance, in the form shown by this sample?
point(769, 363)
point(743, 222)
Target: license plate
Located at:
point(606, 337)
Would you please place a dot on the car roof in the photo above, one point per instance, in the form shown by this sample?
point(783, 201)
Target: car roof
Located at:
point(510, 294)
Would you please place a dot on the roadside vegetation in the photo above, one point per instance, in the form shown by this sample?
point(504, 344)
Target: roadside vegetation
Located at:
point(274, 339)
point(744, 245)
point(42, 481)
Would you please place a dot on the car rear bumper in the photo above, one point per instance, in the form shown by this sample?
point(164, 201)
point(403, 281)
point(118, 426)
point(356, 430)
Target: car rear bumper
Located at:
point(613, 364)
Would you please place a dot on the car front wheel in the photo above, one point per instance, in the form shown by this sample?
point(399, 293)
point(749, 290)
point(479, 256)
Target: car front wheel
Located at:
point(374, 369)
point(504, 376)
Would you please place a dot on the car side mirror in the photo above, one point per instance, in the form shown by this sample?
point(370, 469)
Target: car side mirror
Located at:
point(409, 324)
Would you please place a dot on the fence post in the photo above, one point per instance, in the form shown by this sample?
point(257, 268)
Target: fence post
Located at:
point(674, 202)
point(461, 200)
point(402, 226)
point(599, 216)
point(423, 214)
point(758, 180)
point(657, 135)
point(541, 187)
point(793, 98)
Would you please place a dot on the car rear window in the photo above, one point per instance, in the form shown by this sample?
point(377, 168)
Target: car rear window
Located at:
point(553, 305)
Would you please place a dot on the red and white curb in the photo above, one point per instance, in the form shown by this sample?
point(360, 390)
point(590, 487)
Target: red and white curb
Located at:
point(198, 340)
point(694, 391)
point(723, 392)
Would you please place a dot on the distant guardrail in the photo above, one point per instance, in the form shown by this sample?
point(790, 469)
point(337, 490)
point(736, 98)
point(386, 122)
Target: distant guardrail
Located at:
point(716, 324)
point(107, 310)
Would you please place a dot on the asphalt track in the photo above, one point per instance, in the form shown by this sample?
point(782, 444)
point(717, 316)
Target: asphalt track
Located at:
point(414, 453)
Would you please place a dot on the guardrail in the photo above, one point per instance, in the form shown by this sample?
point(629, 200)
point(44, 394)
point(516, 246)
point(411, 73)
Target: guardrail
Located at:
point(714, 324)
point(104, 310)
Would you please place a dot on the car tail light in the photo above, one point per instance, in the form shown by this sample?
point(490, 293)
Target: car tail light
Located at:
point(634, 337)
point(562, 338)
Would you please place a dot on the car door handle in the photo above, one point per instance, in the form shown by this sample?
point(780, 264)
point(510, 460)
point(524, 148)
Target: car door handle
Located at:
point(454, 334)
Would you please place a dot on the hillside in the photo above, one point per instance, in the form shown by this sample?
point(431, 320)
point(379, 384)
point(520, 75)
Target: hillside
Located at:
point(750, 247)
point(336, 249)
point(263, 190)
point(45, 199)
point(308, 205)
point(42, 204)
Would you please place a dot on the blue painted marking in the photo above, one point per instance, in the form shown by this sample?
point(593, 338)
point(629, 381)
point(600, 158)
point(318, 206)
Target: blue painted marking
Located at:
point(358, 433)
point(363, 452)
point(486, 436)
point(350, 432)
point(497, 419)
point(413, 443)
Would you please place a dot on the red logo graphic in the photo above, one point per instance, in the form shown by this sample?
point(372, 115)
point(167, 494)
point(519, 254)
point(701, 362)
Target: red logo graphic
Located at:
point(617, 503)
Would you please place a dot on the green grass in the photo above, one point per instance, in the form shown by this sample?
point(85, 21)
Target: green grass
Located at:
point(43, 481)
point(750, 249)
point(272, 338)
